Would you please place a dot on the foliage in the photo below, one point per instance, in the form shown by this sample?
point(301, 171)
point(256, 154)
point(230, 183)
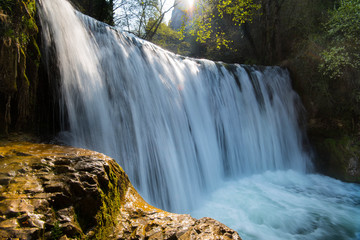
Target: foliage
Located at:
point(240, 10)
point(211, 19)
point(337, 59)
point(140, 17)
point(343, 31)
point(170, 40)
point(267, 35)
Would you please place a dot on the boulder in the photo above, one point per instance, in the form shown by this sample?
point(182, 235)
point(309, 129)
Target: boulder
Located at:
point(58, 192)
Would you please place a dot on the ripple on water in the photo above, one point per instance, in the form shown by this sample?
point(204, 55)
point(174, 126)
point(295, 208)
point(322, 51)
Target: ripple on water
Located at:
point(287, 205)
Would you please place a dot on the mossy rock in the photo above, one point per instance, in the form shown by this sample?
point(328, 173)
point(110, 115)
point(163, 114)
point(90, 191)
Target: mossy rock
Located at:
point(52, 192)
point(67, 191)
point(19, 63)
point(339, 157)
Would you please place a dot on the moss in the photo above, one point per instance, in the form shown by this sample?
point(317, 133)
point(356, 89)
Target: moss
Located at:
point(339, 157)
point(36, 53)
point(18, 50)
point(56, 232)
point(111, 199)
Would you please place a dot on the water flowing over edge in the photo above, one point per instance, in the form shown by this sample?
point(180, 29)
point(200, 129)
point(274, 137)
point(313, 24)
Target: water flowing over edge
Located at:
point(178, 126)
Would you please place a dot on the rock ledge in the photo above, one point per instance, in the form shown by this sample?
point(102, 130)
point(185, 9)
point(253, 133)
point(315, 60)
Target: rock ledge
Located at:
point(56, 192)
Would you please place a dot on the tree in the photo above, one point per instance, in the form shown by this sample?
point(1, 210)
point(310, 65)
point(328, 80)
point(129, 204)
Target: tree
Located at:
point(169, 39)
point(140, 17)
point(212, 20)
point(268, 34)
point(343, 31)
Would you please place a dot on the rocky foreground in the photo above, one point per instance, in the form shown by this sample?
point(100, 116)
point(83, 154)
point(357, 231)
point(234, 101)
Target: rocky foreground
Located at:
point(56, 192)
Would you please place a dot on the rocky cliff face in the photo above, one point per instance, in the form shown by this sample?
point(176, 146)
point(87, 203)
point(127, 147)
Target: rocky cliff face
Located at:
point(56, 192)
point(333, 116)
point(19, 62)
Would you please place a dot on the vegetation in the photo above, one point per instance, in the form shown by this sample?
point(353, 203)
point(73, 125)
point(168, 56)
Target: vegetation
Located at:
point(170, 39)
point(101, 10)
point(56, 232)
point(343, 32)
point(208, 21)
point(257, 31)
point(141, 17)
point(339, 62)
point(18, 26)
point(111, 200)
point(19, 62)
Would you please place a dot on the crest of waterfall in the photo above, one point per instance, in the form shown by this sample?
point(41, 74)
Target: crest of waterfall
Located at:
point(178, 126)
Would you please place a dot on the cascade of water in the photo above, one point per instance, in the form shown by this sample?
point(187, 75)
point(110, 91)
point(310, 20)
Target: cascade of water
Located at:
point(178, 126)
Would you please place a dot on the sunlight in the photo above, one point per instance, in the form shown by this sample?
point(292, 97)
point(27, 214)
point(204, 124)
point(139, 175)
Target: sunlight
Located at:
point(189, 4)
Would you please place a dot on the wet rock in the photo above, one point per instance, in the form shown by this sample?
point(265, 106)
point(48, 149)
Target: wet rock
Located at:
point(31, 220)
point(54, 187)
point(76, 188)
point(71, 229)
point(24, 170)
point(15, 207)
point(63, 169)
point(62, 161)
point(9, 224)
point(11, 174)
point(142, 221)
point(17, 153)
point(48, 190)
point(64, 237)
point(339, 157)
point(41, 167)
point(5, 180)
point(60, 200)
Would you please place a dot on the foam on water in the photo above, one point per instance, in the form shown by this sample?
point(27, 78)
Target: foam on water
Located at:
point(286, 205)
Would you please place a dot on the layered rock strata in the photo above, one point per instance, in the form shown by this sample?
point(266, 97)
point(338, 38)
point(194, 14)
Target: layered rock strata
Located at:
point(57, 192)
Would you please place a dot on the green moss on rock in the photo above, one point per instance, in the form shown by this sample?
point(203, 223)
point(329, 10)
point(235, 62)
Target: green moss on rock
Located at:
point(19, 63)
point(57, 192)
point(339, 157)
point(111, 199)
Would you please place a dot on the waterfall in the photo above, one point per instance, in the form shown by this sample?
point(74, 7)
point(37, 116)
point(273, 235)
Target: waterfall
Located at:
point(194, 136)
point(179, 126)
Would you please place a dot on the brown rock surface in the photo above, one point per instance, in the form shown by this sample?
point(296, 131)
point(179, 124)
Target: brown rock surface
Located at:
point(53, 192)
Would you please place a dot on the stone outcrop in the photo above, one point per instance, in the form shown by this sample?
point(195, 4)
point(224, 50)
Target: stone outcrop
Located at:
point(56, 192)
point(339, 157)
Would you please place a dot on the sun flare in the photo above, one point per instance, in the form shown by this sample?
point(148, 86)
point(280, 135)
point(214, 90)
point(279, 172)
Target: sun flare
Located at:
point(189, 4)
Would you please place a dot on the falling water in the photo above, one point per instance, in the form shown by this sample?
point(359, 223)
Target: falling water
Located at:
point(182, 128)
